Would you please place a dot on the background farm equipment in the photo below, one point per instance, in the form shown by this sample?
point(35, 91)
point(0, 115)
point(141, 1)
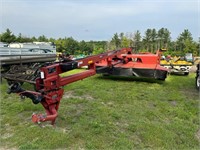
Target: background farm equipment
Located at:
point(48, 82)
point(27, 55)
point(181, 65)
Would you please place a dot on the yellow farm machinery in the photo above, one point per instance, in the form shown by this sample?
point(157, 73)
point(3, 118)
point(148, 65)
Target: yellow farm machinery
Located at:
point(181, 65)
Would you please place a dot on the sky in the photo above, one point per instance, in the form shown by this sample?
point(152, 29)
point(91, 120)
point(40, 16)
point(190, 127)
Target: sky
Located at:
point(98, 19)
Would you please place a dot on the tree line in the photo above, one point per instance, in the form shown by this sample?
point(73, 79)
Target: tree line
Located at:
point(151, 41)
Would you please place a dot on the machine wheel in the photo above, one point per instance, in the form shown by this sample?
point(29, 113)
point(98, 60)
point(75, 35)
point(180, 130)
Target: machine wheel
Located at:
point(197, 82)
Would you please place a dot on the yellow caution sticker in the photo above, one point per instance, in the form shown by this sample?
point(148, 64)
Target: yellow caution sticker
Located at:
point(90, 62)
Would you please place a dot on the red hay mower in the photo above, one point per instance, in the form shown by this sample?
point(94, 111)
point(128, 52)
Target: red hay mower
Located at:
point(49, 84)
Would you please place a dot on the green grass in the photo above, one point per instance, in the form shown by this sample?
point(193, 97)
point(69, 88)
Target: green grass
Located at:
point(109, 113)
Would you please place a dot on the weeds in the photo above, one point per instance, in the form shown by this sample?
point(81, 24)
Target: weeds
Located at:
point(109, 113)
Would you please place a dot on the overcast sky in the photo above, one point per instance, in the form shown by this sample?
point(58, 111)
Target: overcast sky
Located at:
point(98, 19)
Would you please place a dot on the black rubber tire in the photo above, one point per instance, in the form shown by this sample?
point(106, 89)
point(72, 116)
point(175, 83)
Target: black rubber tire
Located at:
point(197, 82)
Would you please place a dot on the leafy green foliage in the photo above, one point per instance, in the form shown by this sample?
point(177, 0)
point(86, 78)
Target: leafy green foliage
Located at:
point(98, 51)
point(116, 41)
point(164, 38)
point(109, 113)
point(137, 40)
point(43, 38)
point(22, 39)
point(151, 41)
point(125, 42)
point(186, 44)
point(8, 36)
